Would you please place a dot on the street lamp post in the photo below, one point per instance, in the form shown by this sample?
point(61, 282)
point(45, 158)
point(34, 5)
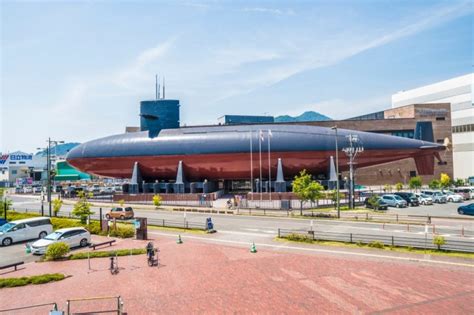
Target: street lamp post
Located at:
point(354, 148)
point(337, 176)
point(48, 170)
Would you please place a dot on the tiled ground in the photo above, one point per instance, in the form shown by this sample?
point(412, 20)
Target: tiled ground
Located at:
point(198, 277)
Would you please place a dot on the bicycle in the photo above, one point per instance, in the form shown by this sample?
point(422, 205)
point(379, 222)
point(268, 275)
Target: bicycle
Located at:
point(114, 269)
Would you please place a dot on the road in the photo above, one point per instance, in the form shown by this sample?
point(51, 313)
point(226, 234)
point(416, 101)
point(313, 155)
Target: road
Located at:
point(252, 225)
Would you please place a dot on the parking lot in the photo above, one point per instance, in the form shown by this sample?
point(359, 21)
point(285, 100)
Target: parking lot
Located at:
point(446, 209)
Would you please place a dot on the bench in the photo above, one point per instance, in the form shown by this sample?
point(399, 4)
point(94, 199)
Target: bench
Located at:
point(14, 265)
point(93, 246)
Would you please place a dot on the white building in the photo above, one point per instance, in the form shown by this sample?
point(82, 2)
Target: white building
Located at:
point(20, 167)
point(458, 92)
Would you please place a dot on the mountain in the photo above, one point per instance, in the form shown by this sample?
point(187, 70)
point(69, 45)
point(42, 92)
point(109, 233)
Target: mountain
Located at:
point(306, 116)
point(60, 150)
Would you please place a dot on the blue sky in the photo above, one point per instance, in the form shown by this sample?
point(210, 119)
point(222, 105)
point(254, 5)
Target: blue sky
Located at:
point(76, 70)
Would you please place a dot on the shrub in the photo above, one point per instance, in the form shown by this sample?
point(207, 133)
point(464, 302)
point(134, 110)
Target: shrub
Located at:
point(121, 202)
point(57, 204)
point(359, 243)
point(299, 237)
point(100, 254)
point(56, 251)
point(376, 244)
point(122, 231)
point(157, 200)
point(439, 241)
point(40, 279)
point(398, 186)
point(415, 182)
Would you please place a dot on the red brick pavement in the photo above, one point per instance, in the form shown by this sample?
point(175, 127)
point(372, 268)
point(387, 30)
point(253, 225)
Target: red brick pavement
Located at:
point(198, 277)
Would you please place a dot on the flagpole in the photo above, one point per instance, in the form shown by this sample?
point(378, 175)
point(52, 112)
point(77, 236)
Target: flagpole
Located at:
point(269, 166)
point(260, 154)
point(251, 164)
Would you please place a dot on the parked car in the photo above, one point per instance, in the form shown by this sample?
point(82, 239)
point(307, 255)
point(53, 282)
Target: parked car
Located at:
point(452, 197)
point(410, 198)
point(394, 201)
point(439, 197)
point(381, 205)
point(424, 199)
point(466, 209)
point(26, 229)
point(3, 221)
point(74, 237)
point(120, 213)
point(466, 192)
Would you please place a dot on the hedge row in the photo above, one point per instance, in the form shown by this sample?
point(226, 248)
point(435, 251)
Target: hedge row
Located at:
point(40, 279)
point(110, 253)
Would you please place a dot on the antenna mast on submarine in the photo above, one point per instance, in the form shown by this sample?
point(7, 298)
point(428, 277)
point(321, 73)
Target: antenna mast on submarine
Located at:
point(163, 87)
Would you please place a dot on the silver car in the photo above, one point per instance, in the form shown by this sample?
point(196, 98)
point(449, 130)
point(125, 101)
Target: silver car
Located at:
point(394, 201)
point(424, 199)
point(74, 237)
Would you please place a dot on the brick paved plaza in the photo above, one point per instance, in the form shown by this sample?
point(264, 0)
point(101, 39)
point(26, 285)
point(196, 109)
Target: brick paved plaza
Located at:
point(197, 277)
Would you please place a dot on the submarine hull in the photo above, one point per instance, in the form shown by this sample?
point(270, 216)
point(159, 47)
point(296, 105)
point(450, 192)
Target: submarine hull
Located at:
point(230, 152)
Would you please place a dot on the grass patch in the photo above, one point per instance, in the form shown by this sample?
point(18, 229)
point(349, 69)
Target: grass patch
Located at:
point(109, 253)
point(40, 279)
point(302, 238)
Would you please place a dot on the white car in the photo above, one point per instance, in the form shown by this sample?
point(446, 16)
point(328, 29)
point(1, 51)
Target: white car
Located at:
point(424, 199)
point(452, 197)
point(25, 229)
point(74, 237)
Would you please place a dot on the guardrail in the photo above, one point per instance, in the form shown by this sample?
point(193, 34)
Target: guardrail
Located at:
point(182, 224)
point(423, 242)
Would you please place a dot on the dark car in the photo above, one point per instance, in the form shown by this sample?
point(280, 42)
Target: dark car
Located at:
point(381, 205)
point(410, 198)
point(466, 209)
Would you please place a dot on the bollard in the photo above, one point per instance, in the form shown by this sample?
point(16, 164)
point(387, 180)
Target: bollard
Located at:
point(278, 232)
point(383, 226)
point(462, 231)
point(397, 217)
point(366, 217)
point(434, 229)
point(408, 227)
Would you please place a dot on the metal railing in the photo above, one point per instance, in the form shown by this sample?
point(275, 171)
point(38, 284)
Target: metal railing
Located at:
point(14, 310)
point(423, 242)
point(182, 224)
point(113, 304)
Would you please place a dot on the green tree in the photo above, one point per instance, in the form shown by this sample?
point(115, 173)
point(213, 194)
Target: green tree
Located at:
point(306, 188)
point(374, 202)
point(332, 195)
point(157, 200)
point(398, 186)
point(121, 202)
point(4, 201)
point(415, 183)
point(82, 208)
point(439, 241)
point(434, 184)
point(57, 204)
point(445, 180)
point(458, 182)
point(387, 188)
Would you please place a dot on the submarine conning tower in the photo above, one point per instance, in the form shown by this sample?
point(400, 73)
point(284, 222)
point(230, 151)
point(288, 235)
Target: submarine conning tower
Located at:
point(159, 114)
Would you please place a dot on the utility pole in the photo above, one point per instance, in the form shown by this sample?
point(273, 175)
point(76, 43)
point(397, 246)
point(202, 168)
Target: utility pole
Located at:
point(48, 168)
point(354, 148)
point(337, 176)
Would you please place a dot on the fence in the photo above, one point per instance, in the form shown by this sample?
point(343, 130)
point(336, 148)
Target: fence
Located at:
point(182, 224)
point(388, 240)
point(95, 305)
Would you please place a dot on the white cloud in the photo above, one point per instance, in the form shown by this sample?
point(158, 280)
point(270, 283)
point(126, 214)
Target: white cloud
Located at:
point(270, 11)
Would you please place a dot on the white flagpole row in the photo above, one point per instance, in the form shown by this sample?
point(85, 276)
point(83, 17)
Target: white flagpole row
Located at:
point(251, 163)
